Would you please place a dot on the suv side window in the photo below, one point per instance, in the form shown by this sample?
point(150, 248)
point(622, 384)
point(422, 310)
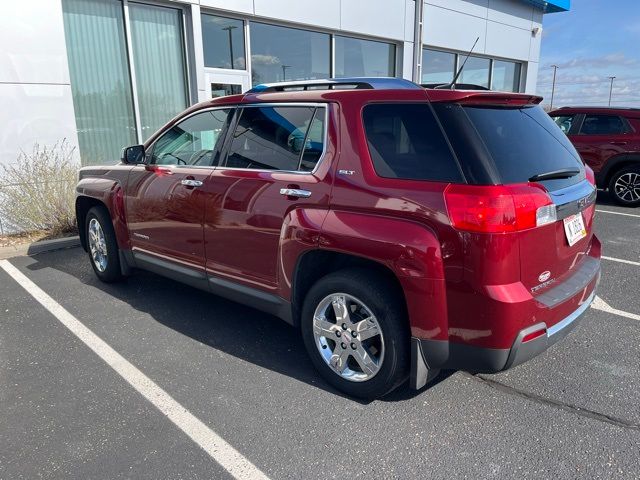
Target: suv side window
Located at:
point(193, 141)
point(277, 138)
point(565, 122)
point(602, 125)
point(405, 141)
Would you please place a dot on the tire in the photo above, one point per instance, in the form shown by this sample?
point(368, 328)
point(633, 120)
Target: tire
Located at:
point(385, 355)
point(102, 245)
point(624, 186)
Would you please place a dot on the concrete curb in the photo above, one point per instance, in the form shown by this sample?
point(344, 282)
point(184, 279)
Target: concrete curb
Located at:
point(54, 244)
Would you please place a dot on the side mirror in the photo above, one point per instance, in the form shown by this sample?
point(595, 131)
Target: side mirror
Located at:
point(133, 155)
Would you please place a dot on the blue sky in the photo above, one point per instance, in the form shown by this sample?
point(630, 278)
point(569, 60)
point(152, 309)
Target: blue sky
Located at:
point(595, 40)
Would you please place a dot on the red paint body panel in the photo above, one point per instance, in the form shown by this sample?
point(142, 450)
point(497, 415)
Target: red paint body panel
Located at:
point(468, 288)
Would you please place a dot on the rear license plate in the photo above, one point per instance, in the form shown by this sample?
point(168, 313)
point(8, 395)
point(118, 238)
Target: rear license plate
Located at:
point(574, 229)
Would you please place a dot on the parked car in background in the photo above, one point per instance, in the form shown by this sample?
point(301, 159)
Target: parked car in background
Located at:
point(403, 230)
point(608, 139)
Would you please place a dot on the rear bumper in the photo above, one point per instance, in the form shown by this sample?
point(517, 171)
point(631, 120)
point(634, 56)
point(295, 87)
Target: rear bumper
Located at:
point(430, 355)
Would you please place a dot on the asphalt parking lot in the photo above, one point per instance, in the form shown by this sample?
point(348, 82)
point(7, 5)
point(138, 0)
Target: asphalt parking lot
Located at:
point(573, 412)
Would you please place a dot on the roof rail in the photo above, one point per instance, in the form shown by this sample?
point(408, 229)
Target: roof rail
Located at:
point(355, 83)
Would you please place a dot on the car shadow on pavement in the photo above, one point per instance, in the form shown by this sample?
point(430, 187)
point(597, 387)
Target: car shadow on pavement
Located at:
point(234, 329)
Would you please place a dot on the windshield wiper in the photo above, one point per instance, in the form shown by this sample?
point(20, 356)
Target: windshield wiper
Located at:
point(556, 174)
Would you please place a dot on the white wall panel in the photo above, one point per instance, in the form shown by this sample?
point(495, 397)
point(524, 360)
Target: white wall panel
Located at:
point(34, 114)
point(477, 8)
point(382, 18)
point(32, 38)
point(532, 77)
point(407, 61)
point(454, 30)
point(510, 12)
point(409, 20)
point(240, 6)
point(506, 41)
point(323, 14)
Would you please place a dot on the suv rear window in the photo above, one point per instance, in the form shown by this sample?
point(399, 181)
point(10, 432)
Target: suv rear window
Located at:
point(405, 141)
point(520, 142)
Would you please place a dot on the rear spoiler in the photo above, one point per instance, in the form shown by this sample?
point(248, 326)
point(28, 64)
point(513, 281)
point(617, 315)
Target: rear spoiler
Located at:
point(470, 97)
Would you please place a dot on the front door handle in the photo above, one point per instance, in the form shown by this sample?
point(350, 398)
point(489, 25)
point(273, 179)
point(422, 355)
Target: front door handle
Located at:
point(295, 192)
point(191, 183)
point(621, 143)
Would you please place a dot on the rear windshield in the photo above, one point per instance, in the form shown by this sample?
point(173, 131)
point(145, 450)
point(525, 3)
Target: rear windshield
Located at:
point(509, 145)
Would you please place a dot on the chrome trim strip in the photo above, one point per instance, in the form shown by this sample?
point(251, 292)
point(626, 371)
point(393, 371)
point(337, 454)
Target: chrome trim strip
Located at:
point(571, 318)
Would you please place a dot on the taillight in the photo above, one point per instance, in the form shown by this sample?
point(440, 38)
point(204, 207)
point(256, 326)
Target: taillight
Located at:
point(499, 208)
point(591, 177)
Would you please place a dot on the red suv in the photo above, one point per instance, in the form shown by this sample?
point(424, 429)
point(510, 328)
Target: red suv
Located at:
point(403, 230)
point(608, 139)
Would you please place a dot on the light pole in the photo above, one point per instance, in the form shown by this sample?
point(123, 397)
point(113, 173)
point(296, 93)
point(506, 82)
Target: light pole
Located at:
point(284, 72)
point(611, 89)
point(229, 29)
point(553, 87)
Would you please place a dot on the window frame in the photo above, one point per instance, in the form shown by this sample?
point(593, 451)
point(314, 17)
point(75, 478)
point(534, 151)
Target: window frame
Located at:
point(234, 123)
point(148, 154)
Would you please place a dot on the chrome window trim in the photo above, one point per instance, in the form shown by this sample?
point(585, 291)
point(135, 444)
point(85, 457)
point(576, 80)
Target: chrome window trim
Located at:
point(325, 135)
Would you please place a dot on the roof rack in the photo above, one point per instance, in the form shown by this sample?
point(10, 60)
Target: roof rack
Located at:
point(457, 86)
point(356, 83)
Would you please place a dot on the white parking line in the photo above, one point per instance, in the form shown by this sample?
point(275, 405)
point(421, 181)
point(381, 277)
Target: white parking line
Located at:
point(618, 213)
point(620, 260)
point(217, 448)
point(600, 304)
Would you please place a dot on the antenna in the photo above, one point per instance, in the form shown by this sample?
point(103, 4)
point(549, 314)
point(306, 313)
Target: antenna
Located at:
point(452, 85)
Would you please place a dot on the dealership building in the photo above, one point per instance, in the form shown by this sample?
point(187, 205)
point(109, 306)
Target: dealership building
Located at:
point(104, 74)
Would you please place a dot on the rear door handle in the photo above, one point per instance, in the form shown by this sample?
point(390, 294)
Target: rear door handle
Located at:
point(618, 143)
point(191, 183)
point(295, 192)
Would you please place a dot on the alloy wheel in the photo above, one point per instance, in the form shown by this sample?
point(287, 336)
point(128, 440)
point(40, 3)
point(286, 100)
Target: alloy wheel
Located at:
point(348, 337)
point(97, 245)
point(627, 187)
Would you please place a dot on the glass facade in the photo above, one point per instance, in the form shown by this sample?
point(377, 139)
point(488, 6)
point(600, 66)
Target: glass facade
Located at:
point(100, 83)
point(223, 42)
point(440, 67)
point(158, 56)
point(437, 66)
point(281, 53)
point(105, 95)
point(364, 58)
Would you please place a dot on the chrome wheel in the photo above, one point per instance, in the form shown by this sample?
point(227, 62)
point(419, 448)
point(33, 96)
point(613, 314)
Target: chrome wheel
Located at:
point(627, 187)
point(97, 245)
point(348, 337)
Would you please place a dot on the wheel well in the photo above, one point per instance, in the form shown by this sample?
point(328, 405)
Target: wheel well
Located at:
point(316, 264)
point(619, 166)
point(83, 205)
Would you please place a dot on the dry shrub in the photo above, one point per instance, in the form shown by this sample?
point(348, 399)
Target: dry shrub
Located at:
point(37, 191)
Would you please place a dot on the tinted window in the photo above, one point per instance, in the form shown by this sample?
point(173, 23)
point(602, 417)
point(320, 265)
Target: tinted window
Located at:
point(476, 71)
point(602, 125)
point(505, 76)
point(437, 67)
point(282, 53)
point(223, 42)
point(277, 138)
point(364, 58)
point(191, 142)
point(405, 141)
point(565, 122)
point(521, 142)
